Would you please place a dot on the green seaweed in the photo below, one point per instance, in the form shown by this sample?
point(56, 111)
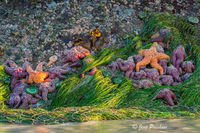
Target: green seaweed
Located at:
point(86, 113)
point(100, 91)
point(4, 87)
point(106, 99)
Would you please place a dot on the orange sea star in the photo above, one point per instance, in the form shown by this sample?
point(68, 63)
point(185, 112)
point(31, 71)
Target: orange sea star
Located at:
point(37, 76)
point(151, 56)
point(95, 34)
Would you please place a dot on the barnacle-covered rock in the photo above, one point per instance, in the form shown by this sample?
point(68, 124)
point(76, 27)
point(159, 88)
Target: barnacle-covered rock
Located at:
point(169, 7)
point(142, 15)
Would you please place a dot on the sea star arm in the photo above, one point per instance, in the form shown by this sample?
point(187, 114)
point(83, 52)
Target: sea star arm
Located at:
point(176, 76)
point(47, 80)
point(14, 100)
point(158, 39)
point(52, 76)
point(64, 71)
point(92, 71)
point(25, 65)
point(30, 79)
point(154, 64)
point(169, 100)
point(174, 59)
point(29, 69)
point(113, 66)
point(39, 67)
point(44, 91)
point(162, 56)
point(144, 62)
point(128, 73)
point(66, 66)
point(174, 98)
point(8, 70)
point(13, 82)
point(61, 77)
point(178, 62)
point(34, 101)
point(123, 66)
point(13, 64)
point(193, 68)
point(52, 87)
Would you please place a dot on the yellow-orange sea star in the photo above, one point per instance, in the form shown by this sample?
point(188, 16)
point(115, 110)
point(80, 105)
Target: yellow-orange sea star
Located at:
point(95, 34)
point(151, 56)
point(37, 76)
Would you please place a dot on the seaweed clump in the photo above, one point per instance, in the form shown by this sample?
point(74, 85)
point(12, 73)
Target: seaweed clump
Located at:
point(5, 80)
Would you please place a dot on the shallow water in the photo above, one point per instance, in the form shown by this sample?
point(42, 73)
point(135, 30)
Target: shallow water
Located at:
point(113, 126)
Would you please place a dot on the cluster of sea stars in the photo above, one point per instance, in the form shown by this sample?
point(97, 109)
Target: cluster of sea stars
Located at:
point(160, 73)
point(23, 94)
point(44, 80)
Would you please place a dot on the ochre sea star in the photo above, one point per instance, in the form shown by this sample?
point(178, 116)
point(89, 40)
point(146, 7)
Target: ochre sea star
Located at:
point(168, 96)
point(15, 71)
point(37, 76)
point(151, 56)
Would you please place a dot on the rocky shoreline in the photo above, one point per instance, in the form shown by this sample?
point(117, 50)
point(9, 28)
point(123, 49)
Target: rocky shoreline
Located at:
point(35, 31)
point(53, 32)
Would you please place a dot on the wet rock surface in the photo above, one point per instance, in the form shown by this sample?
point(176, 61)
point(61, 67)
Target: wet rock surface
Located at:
point(35, 31)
